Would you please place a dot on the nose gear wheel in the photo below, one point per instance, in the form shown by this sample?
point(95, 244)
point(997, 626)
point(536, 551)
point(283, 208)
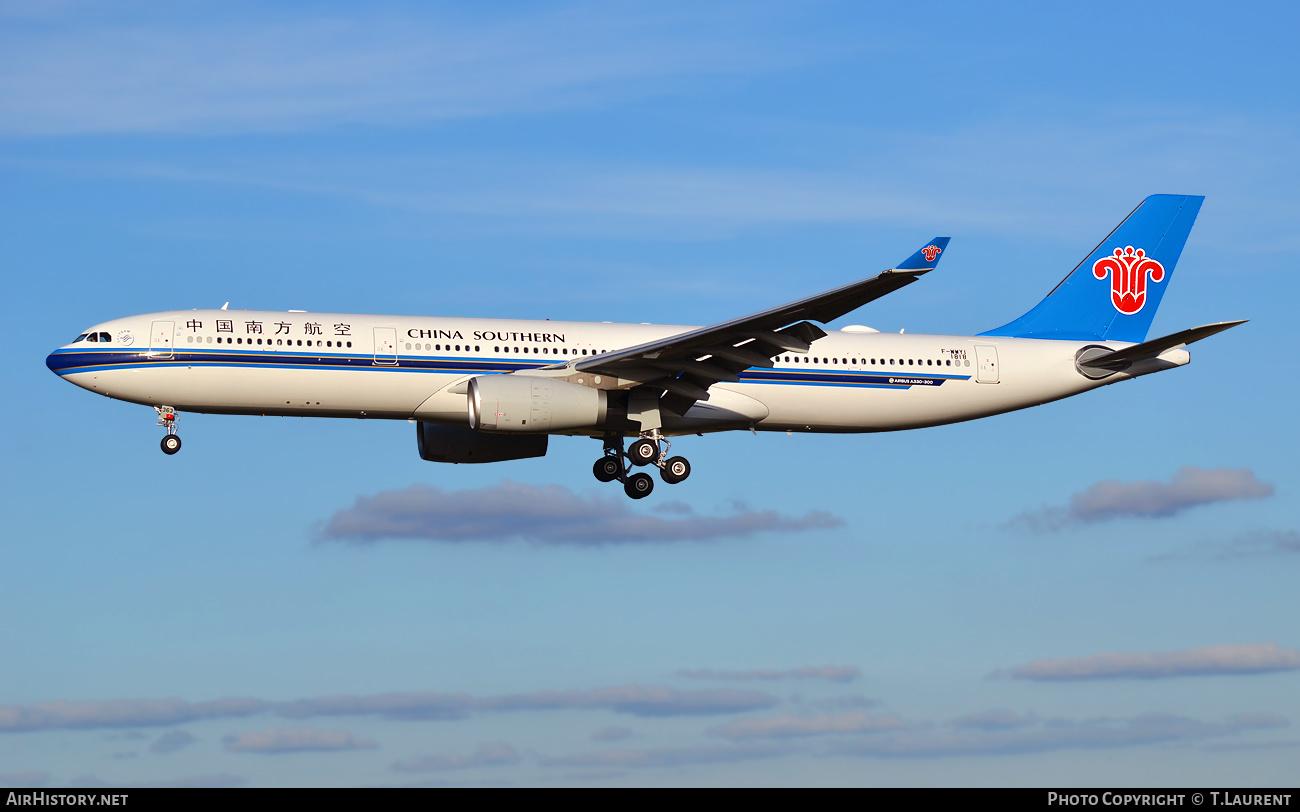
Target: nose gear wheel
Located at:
point(171, 443)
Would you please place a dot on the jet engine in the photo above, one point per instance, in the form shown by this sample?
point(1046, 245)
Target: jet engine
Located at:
point(530, 404)
point(456, 444)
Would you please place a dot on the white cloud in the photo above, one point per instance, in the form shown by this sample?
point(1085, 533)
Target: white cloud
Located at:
point(994, 720)
point(1248, 658)
point(171, 741)
point(1259, 719)
point(551, 515)
point(636, 700)
point(204, 781)
point(1249, 545)
point(1240, 746)
point(1145, 729)
point(410, 706)
point(1285, 542)
point(1150, 499)
point(293, 70)
point(498, 754)
point(786, 727)
point(121, 713)
point(611, 734)
point(834, 673)
point(295, 740)
point(669, 756)
point(996, 733)
point(844, 702)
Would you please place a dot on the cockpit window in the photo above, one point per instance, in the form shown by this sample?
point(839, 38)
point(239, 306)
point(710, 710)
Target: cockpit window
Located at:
point(92, 336)
point(81, 337)
point(105, 337)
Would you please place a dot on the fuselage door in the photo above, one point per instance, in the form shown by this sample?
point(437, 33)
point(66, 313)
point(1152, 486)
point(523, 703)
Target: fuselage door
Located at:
point(385, 345)
point(987, 358)
point(161, 334)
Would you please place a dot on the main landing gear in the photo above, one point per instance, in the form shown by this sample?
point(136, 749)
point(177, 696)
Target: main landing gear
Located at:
point(171, 443)
point(645, 451)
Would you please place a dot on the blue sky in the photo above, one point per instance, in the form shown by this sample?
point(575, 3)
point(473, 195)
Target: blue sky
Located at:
point(1097, 591)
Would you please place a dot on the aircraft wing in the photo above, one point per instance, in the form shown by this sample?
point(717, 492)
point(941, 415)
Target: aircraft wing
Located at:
point(685, 365)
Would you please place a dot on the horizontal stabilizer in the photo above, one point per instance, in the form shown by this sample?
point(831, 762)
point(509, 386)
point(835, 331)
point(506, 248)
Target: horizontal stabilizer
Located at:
point(1154, 347)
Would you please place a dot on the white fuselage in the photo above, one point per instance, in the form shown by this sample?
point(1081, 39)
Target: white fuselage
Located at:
point(403, 367)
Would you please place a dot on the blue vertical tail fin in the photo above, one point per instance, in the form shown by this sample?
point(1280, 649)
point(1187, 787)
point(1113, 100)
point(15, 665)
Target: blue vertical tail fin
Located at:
point(1113, 294)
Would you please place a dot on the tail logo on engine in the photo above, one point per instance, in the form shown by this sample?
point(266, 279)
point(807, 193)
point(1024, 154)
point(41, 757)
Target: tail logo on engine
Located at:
point(1128, 269)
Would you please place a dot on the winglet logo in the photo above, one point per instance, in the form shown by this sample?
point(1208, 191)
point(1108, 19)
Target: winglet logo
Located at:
point(930, 252)
point(1128, 269)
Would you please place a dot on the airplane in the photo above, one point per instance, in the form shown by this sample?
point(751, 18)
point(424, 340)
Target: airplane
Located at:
point(488, 390)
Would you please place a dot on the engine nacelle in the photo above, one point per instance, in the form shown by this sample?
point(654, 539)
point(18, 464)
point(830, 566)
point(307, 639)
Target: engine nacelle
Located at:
point(456, 444)
point(530, 404)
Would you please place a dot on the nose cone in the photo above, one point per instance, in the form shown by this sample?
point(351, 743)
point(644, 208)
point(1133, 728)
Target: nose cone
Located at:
point(61, 361)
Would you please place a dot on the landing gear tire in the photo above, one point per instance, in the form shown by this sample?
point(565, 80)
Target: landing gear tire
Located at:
point(639, 486)
point(171, 444)
point(643, 452)
point(675, 470)
point(607, 469)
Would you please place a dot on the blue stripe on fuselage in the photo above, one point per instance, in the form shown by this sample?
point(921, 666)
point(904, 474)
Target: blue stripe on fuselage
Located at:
point(68, 362)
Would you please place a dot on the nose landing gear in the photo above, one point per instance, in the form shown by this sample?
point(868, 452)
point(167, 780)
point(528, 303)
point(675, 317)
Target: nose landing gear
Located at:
point(651, 449)
point(171, 443)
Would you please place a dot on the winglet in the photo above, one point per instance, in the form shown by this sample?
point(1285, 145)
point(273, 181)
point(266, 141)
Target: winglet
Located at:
point(926, 258)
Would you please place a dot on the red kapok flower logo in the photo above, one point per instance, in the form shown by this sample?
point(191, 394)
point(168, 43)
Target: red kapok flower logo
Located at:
point(1128, 269)
point(930, 252)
